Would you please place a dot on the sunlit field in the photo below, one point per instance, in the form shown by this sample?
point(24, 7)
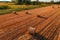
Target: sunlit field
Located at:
point(24, 21)
point(12, 7)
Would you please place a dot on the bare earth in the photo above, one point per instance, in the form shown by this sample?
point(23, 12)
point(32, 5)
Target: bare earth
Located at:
point(15, 27)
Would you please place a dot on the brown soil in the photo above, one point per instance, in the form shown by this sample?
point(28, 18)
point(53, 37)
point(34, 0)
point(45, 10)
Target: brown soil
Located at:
point(14, 26)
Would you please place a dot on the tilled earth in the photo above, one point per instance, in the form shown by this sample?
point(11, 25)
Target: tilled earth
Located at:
point(46, 20)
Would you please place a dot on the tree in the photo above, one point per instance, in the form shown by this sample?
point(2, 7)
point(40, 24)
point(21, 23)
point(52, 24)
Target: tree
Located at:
point(52, 1)
point(27, 1)
point(37, 1)
point(34, 2)
point(23, 1)
point(19, 1)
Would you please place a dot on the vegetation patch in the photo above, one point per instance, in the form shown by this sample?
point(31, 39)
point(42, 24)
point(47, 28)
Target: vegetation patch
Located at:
point(4, 7)
point(8, 7)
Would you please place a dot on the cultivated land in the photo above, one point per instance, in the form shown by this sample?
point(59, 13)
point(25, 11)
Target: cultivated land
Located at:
point(8, 7)
point(15, 27)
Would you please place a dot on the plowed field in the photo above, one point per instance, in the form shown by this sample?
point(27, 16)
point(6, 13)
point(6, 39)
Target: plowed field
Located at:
point(15, 27)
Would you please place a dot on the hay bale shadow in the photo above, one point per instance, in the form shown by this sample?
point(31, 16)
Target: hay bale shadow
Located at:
point(37, 37)
point(41, 17)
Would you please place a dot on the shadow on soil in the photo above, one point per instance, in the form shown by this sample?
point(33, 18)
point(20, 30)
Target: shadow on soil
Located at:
point(37, 36)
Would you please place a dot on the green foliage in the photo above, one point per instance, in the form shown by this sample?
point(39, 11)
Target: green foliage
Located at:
point(34, 3)
point(5, 11)
point(52, 2)
point(57, 2)
point(27, 2)
point(19, 2)
point(4, 7)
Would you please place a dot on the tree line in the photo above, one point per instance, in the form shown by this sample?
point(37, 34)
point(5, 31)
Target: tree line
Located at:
point(27, 2)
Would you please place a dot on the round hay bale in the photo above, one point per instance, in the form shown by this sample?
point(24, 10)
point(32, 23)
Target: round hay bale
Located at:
point(31, 30)
point(38, 16)
point(26, 12)
point(58, 7)
point(14, 12)
point(52, 6)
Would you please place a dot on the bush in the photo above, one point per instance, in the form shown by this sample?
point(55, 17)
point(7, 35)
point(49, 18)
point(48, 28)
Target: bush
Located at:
point(4, 7)
point(28, 3)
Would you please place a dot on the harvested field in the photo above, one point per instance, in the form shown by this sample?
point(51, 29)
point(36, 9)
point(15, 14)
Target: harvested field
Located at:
point(46, 20)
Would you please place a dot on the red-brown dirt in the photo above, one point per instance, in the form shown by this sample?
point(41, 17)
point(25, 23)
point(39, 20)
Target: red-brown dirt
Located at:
point(15, 27)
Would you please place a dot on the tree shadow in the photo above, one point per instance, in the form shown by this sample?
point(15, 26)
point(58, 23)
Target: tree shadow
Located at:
point(37, 37)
